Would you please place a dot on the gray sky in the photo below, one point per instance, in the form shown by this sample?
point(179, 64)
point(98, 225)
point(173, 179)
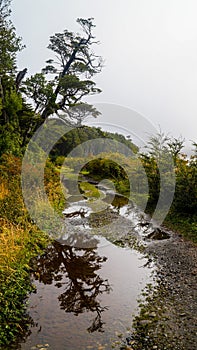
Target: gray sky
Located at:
point(149, 48)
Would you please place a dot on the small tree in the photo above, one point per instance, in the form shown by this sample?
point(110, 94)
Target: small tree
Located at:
point(195, 149)
point(175, 146)
point(159, 163)
point(157, 145)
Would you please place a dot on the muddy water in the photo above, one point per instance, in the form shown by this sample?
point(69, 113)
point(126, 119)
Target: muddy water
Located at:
point(87, 296)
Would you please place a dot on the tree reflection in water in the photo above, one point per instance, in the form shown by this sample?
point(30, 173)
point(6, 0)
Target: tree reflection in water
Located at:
point(76, 270)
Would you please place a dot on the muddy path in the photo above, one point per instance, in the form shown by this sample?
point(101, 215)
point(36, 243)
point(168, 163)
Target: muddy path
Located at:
point(96, 272)
point(88, 282)
point(168, 318)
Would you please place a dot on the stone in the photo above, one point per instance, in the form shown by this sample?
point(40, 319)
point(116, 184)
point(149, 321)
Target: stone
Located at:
point(158, 234)
point(145, 322)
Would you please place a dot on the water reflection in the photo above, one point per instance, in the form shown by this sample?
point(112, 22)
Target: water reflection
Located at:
point(75, 271)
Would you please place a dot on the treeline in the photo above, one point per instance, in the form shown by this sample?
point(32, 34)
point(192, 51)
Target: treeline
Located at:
point(85, 141)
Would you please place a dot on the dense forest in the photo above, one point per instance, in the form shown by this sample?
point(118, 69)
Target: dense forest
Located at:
point(57, 92)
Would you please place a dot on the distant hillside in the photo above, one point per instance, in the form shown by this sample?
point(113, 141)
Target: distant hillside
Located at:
point(77, 139)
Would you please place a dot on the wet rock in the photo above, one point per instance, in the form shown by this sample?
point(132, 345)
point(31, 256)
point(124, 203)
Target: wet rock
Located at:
point(129, 340)
point(145, 322)
point(158, 234)
point(144, 224)
point(81, 212)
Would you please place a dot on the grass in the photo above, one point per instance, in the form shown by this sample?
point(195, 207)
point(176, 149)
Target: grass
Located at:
point(17, 247)
point(15, 243)
point(89, 190)
point(3, 190)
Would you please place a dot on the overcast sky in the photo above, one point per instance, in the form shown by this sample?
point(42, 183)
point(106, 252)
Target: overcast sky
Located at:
point(149, 48)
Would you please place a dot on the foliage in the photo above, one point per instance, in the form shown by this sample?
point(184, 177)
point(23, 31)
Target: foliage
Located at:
point(11, 103)
point(78, 139)
point(9, 42)
point(17, 247)
point(53, 187)
point(130, 178)
point(182, 215)
point(186, 187)
point(153, 176)
point(186, 225)
point(20, 241)
point(60, 87)
point(70, 74)
point(106, 168)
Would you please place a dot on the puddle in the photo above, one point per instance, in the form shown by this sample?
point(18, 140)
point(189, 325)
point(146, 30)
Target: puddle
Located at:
point(85, 296)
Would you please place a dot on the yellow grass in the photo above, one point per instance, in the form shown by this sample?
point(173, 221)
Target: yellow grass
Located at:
point(12, 243)
point(3, 190)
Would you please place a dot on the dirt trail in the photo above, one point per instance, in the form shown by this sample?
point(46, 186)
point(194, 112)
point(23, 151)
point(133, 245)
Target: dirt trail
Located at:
point(169, 319)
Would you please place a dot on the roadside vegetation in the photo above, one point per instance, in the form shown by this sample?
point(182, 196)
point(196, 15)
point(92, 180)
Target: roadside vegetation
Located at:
point(138, 177)
point(20, 241)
